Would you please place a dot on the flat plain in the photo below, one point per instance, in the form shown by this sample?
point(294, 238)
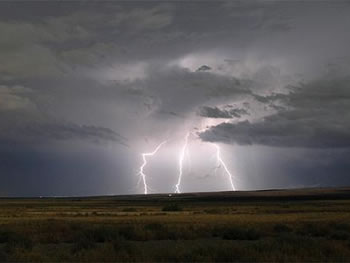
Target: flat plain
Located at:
point(300, 225)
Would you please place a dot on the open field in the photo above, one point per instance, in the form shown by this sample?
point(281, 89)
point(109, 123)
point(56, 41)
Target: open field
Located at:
point(289, 225)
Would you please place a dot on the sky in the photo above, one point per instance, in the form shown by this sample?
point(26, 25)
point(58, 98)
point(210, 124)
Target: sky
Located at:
point(87, 87)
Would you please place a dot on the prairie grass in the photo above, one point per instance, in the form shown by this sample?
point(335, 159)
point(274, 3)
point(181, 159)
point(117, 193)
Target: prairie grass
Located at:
point(107, 229)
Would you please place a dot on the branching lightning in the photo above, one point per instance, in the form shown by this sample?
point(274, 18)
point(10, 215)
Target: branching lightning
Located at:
point(181, 159)
point(218, 156)
point(182, 155)
point(141, 173)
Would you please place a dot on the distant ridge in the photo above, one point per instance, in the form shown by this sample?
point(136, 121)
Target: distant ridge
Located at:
point(330, 193)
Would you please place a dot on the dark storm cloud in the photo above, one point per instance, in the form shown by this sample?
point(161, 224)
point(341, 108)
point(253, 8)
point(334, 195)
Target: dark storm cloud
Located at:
point(215, 112)
point(19, 127)
point(204, 68)
point(82, 74)
point(84, 35)
point(315, 114)
point(180, 90)
point(74, 170)
point(65, 131)
point(22, 120)
point(55, 45)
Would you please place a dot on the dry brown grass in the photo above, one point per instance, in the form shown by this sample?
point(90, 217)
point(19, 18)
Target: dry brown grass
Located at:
point(117, 229)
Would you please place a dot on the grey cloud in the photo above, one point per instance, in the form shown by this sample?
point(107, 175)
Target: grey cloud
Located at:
point(271, 16)
point(131, 66)
point(15, 98)
point(66, 131)
point(280, 131)
point(204, 68)
point(180, 90)
point(215, 112)
point(152, 18)
point(92, 56)
point(51, 46)
point(21, 119)
point(171, 114)
point(16, 127)
point(315, 115)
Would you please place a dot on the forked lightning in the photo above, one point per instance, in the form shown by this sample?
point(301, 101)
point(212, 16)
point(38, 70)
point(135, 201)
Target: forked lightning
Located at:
point(181, 159)
point(141, 173)
point(181, 164)
point(218, 156)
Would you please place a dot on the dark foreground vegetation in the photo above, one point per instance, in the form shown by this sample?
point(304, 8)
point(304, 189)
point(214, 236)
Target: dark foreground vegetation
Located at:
point(295, 225)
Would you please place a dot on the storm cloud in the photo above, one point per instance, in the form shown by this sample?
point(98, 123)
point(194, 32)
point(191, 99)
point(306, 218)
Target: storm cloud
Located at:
point(86, 87)
point(215, 112)
point(314, 114)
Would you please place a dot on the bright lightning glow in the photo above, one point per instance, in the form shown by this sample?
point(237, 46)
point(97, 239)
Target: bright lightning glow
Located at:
point(181, 159)
point(218, 156)
point(141, 173)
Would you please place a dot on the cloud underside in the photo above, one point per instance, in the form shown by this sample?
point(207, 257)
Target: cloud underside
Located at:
point(48, 131)
point(315, 115)
point(76, 77)
point(66, 131)
point(280, 132)
point(143, 62)
point(215, 112)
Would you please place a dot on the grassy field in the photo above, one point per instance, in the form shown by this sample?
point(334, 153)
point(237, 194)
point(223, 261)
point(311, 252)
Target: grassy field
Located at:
point(290, 225)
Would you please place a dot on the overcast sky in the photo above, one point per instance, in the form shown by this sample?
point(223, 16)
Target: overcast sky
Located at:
point(86, 87)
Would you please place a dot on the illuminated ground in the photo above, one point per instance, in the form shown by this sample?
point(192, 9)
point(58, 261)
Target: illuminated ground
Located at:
point(288, 225)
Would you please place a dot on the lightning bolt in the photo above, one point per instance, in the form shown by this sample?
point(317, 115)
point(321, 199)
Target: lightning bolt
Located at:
point(141, 173)
point(181, 159)
point(218, 156)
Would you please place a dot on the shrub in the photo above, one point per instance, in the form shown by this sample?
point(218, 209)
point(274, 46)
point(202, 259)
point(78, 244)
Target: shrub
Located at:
point(154, 227)
point(339, 235)
point(313, 230)
point(83, 243)
point(172, 208)
point(3, 256)
point(213, 211)
point(104, 234)
point(129, 209)
point(340, 226)
point(14, 240)
point(240, 234)
point(5, 236)
point(128, 232)
point(282, 228)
